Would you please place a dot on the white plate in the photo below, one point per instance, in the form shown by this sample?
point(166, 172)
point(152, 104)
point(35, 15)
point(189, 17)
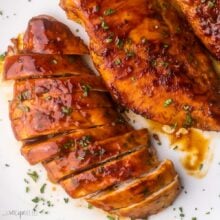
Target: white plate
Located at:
point(201, 196)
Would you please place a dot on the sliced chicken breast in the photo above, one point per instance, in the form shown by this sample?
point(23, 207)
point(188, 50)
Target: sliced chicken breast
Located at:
point(136, 190)
point(39, 123)
point(42, 65)
point(111, 173)
point(84, 156)
point(32, 88)
point(66, 103)
point(152, 204)
point(41, 151)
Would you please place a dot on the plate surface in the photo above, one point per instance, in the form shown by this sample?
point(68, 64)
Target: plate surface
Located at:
point(199, 199)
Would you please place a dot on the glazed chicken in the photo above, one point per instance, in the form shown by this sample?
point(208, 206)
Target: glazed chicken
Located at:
point(67, 121)
point(204, 17)
point(151, 61)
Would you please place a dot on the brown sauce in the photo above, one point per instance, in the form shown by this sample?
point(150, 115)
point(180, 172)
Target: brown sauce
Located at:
point(193, 145)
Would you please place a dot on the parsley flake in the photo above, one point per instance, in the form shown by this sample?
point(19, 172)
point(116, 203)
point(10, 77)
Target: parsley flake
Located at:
point(34, 175)
point(42, 189)
point(86, 89)
point(168, 102)
point(109, 11)
point(66, 110)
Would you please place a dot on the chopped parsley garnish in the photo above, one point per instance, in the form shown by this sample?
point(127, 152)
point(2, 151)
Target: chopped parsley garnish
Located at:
point(35, 208)
point(66, 200)
point(69, 144)
point(211, 4)
point(85, 141)
point(109, 11)
point(201, 166)
point(90, 206)
point(24, 95)
point(49, 204)
point(119, 43)
point(34, 175)
point(24, 108)
point(109, 39)
point(42, 189)
point(2, 56)
point(27, 189)
point(188, 120)
point(194, 218)
point(166, 45)
point(153, 63)
point(175, 148)
point(86, 89)
point(168, 102)
point(110, 217)
point(164, 64)
point(36, 200)
point(66, 110)
point(26, 181)
point(104, 25)
point(117, 61)
point(130, 54)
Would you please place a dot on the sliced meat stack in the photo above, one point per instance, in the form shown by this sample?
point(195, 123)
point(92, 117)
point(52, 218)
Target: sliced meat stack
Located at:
point(67, 121)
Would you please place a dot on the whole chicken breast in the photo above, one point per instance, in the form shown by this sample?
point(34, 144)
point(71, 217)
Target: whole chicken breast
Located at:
point(204, 18)
point(151, 61)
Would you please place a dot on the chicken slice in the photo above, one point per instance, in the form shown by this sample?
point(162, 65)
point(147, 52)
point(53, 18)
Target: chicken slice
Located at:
point(152, 204)
point(32, 88)
point(37, 123)
point(204, 17)
point(111, 173)
point(147, 54)
point(60, 103)
point(42, 65)
point(46, 35)
point(135, 190)
point(85, 156)
point(42, 151)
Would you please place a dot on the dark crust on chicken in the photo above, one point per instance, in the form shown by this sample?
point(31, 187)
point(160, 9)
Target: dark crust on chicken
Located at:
point(204, 18)
point(149, 56)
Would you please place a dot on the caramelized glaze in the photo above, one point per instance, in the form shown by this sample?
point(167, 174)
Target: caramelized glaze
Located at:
point(147, 54)
point(130, 166)
point(46, 35)
point(42, 65)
